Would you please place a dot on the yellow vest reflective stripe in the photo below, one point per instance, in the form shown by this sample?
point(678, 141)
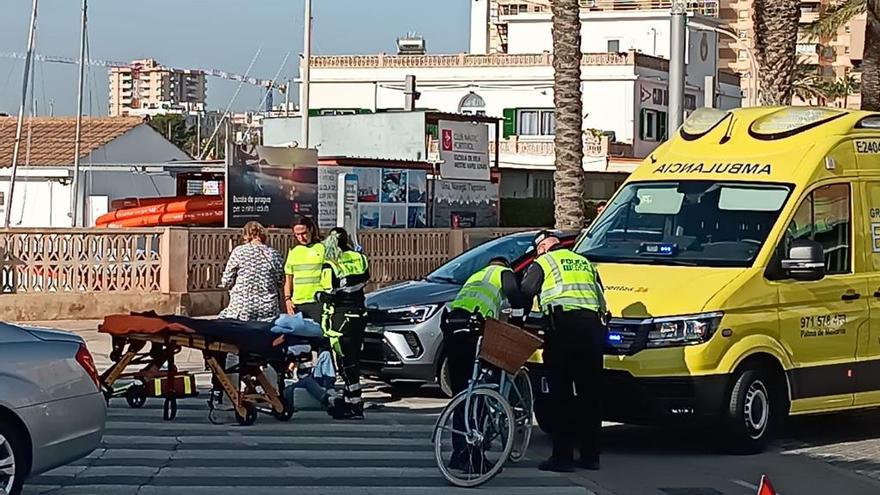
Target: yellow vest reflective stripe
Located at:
point(570, 282)
point(482, 292)
point(349, 263)
point(307, 263)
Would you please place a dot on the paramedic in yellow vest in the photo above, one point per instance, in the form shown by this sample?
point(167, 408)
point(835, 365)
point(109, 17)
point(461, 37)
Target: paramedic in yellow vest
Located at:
point(572, 300)
point(483, 294)
point(302, 271)
point(344, 278)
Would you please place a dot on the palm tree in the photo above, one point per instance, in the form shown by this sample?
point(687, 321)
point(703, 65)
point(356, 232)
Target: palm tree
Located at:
point(776, 30)
point(807, 85)
point(569, 142)
point(838, 15)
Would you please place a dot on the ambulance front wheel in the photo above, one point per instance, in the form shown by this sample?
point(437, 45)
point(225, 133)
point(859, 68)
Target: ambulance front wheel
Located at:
point(755, 406)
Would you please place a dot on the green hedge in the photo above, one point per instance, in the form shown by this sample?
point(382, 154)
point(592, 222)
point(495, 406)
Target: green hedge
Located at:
point(526, 212)
point(535, 212)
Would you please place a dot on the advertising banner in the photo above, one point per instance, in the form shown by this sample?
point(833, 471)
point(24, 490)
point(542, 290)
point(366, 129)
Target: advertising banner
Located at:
point(271, 185)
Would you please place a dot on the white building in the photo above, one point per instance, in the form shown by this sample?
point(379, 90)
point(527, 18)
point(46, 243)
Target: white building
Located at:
point(120, 157)
point(624, 87)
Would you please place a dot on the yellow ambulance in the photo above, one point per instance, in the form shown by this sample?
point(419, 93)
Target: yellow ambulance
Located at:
point(741, 263)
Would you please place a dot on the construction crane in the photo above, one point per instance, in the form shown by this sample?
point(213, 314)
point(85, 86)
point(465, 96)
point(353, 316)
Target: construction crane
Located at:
point(222, 74)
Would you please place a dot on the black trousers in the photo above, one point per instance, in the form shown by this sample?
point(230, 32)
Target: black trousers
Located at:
point(351, 322)
point(312, 310)
point(573, 356)
point(460, 344)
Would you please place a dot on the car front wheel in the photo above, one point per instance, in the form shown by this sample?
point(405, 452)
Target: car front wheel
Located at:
point(12, 462)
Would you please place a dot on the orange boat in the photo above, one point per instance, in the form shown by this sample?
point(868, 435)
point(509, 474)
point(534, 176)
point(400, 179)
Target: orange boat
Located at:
point(155, 212)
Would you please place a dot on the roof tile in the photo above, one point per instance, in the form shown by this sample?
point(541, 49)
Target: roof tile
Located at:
point(52, 139)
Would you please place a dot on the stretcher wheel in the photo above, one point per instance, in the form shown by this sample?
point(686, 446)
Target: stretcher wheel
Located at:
point(136, 396)
point(169, 411)
point(249, 418)
point(284, 415)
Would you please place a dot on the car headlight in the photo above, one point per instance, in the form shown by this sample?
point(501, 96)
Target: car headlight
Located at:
point(410, 315)
point(683, 330)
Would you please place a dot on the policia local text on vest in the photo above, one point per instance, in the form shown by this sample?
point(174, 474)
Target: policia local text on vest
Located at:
point(572, 299)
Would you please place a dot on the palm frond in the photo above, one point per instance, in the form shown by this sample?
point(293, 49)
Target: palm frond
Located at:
point(835, 17)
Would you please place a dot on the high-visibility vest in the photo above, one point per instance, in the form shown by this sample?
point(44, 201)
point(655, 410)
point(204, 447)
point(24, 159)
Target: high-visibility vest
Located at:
point(570, 282)
point(482, 292)
point(348, 264)
point(306, 263)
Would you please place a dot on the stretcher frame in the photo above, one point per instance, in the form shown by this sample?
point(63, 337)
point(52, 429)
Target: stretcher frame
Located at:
point(245, 403)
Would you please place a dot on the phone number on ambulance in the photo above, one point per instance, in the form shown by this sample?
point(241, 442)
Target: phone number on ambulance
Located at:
point(837, 320)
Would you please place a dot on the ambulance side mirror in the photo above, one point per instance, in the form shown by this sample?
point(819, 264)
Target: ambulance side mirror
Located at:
point(805, 261)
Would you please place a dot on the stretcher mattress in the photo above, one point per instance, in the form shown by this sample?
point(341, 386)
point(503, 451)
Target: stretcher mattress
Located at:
point(249, 337)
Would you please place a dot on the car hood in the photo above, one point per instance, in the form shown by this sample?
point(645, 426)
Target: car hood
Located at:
point(412, 293)
point(641, 291)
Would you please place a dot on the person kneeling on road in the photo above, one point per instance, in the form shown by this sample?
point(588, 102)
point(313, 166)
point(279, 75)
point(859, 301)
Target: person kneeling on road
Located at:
point(480, 298)
point(344, 276)
point(572, 298)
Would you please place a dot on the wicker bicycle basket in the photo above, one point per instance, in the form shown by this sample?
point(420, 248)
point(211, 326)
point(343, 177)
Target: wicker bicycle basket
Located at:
point(506, 346)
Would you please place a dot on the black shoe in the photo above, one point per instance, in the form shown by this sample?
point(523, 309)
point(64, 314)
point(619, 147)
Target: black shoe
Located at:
point(215, 398)
point(556, 466)
point(589, 464)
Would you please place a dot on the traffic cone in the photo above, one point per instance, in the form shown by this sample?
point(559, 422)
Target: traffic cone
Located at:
point(765, 488)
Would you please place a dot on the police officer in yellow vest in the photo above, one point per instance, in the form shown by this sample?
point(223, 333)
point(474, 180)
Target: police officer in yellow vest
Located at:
point(303, 271)
point(572, 299)
point(345, 275)
point(481, 297)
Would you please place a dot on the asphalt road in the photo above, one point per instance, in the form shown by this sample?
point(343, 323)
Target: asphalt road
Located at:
point(390, 453)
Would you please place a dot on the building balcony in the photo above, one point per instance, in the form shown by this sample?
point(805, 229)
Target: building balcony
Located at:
point(540, 150)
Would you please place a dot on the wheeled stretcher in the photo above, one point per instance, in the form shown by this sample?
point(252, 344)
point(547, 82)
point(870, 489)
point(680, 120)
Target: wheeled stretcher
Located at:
point(156, 373)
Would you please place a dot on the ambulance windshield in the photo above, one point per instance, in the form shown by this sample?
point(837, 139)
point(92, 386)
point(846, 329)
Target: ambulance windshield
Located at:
point(695, 223)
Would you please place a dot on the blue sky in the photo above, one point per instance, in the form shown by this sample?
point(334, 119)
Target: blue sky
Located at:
point(220, 34)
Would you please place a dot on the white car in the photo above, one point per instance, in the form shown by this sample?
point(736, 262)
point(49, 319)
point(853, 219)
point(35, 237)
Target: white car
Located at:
point(52, 411)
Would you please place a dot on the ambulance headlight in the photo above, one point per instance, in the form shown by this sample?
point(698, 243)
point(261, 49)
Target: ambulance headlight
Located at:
point(683, 330)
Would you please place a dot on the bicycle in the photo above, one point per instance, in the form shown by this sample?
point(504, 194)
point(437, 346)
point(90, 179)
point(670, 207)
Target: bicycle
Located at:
point(494, 416)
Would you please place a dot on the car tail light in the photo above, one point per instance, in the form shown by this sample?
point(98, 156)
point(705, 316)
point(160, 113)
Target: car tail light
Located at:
point(84, 358)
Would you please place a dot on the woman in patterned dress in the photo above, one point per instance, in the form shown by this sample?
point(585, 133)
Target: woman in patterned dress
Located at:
point(254, 275)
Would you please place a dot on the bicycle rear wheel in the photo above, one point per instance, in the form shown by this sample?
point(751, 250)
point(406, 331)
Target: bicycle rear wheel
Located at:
point(472, 448)
point(521, 400)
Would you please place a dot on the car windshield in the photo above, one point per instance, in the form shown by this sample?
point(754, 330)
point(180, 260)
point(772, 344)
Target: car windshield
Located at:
point(699, 223)
point(459, 269)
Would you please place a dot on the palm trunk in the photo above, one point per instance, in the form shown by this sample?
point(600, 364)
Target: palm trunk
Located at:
point(776, 30)
point(871, 59)
point(569, 141)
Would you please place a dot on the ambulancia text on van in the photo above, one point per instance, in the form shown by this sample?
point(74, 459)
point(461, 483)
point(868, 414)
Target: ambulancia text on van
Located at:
point(741, 264)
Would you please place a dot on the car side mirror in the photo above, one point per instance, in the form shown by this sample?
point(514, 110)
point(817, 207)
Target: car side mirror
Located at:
point(805, 261)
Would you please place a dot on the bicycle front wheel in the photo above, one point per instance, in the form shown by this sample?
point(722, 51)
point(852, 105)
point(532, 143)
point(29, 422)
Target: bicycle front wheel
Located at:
point(473, 437)
point(521, 400)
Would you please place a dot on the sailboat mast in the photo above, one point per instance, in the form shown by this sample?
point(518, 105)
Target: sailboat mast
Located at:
point(75, 216)
point(18, 127)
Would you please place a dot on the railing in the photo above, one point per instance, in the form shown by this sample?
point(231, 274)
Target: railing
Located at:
point(82, 260)
point(594, 146)
point(461, 60)
point(703, 7)
point(395, 255)
point(180, 260)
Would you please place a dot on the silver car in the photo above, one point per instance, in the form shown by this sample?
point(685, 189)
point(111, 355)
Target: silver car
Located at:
point(52, 411)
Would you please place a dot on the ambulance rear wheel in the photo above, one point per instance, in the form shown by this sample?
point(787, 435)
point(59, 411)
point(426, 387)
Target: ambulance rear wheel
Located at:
point(136, 396)
point(754, 408)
